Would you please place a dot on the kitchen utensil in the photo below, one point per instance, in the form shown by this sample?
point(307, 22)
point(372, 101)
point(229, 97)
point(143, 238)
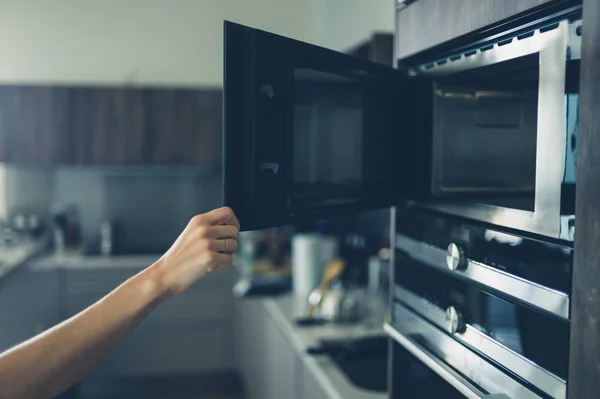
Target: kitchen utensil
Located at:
point(310, 254)
point(341, 305)
point(332, 271)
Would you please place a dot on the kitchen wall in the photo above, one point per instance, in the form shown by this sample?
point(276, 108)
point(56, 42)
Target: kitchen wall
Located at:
point(156, 42)
point(150, 204)
point(344, 23)
point(24, 187)
point(162, 42)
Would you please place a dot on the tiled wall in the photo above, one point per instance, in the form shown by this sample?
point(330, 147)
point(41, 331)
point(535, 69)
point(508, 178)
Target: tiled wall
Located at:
point(149, 204)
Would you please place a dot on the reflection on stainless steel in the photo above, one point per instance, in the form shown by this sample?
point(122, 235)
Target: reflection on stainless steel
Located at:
point(407, 325)
point(534, 294)
point(470, 335)
point(441, 369)
point(532, 164)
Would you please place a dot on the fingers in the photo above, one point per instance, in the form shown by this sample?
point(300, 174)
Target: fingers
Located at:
point(223, 231)
point(217, 217)
point(221, 261)
point(223, 245)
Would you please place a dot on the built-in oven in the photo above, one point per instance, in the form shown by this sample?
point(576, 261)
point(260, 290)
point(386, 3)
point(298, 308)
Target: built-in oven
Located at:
point(535, 273)
point(485, 130)
point(486, 312)
point(505, 125)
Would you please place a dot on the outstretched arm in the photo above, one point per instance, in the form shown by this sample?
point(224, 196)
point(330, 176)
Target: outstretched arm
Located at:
point(50, 363)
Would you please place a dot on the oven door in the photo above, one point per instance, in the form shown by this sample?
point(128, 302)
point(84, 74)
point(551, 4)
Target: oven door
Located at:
point(426, 363)
point(310, 133)
point(501, 148)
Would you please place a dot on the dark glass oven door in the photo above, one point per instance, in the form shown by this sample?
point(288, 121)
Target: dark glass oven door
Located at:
point(310, 132)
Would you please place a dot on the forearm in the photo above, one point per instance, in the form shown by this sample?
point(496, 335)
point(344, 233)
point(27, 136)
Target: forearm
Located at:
point(51, 362)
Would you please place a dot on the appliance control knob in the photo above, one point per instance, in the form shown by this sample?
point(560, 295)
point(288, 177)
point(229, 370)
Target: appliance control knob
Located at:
point(454, 320)
point(455, 257)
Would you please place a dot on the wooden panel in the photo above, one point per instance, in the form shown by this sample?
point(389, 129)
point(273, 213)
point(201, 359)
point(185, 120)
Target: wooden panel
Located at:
point(185, 126)
point(34, 125)
point(427, 23)
point(379, 48)
point(584, 373)
point(110, 125)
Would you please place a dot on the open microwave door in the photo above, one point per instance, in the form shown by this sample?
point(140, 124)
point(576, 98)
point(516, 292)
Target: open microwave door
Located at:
point(310, 133)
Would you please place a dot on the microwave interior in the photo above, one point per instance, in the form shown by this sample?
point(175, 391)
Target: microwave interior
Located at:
point(486, 130)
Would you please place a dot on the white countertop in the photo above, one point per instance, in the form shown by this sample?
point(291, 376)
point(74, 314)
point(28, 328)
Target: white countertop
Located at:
point(285, 310)
point(76, 260)
point(13, 257)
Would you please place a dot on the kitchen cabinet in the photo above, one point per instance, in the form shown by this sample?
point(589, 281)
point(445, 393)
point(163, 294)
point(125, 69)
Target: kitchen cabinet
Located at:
point(267, 359)
point(188, 334)
point(584, 374)
point(109, 125)
point(34, 125)
point(264, 355)
point(426, 23)
point(379, 48)
point(311, 388)
point(29, 304)
point(184, 126)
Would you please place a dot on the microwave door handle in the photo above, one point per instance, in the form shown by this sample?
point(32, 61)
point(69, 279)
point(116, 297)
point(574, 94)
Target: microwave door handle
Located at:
point(438, 367)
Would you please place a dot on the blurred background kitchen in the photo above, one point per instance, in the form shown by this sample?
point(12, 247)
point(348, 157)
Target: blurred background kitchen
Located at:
point(110, 141)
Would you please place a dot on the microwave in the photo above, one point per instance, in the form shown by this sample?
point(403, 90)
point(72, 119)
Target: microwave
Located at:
point(478, 130)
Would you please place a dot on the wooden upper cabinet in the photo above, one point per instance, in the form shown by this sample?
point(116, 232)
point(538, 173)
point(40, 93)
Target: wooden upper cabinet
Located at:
point(427, 23)
point(110, 126)
point(34, 125)
point(184, 126)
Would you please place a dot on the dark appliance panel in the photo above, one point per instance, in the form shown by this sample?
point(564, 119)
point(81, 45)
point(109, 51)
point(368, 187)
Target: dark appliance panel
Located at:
point(310, 132)
point(535, 272)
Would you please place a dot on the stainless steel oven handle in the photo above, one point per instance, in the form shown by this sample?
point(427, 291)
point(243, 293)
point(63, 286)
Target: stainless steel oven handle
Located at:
point(437, 366)
point(451, 320)
point(537, 295)
point(464, 369)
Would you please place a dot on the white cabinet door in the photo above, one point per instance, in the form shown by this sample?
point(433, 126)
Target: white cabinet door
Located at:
point(189, 333)
point(281, 364)
point(311, 388)
point(29, 304)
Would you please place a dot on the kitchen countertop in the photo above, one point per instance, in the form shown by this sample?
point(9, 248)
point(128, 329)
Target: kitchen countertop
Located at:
point(76, 260)
point(285, 310)
point(13, 257)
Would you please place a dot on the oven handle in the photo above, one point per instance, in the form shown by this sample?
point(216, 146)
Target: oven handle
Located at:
point(437, 366)
point(537, 295)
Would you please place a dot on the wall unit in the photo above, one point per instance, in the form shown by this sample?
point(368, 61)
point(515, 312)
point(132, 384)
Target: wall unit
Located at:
point(470, 16)
point(427, 23)
point(103, 125)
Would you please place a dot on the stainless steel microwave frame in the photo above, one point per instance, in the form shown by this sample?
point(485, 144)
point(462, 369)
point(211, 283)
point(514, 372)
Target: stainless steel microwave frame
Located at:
point(556, 43)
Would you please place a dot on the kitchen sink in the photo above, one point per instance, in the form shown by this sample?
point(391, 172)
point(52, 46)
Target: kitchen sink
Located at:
point(363, 360)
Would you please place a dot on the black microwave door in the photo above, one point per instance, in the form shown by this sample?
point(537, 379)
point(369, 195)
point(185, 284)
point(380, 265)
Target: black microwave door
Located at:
point(310, 133)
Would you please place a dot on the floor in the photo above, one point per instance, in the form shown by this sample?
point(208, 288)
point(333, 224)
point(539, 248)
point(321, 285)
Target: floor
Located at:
point(162, 387)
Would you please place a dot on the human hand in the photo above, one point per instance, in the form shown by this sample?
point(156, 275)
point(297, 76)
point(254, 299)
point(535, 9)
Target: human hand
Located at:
point(207, 243)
